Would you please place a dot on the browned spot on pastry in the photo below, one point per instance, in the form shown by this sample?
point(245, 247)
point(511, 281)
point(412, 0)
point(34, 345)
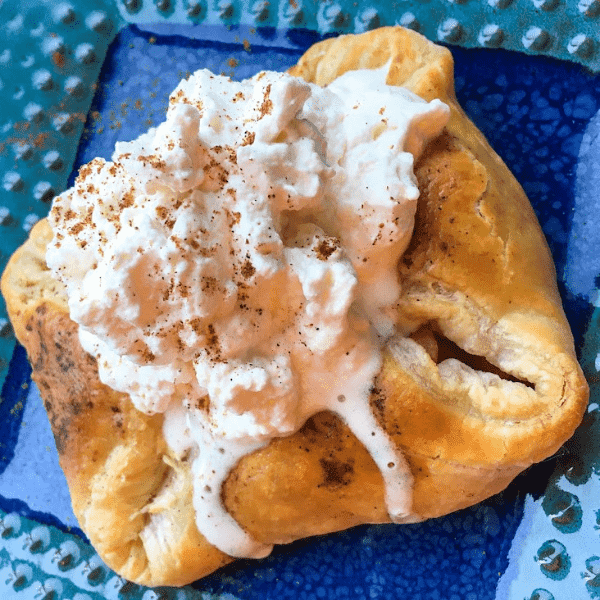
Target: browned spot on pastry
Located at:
point(58, 371)
point(336, 472)
point(310, 427)
point(323, 424)
point(44, 385)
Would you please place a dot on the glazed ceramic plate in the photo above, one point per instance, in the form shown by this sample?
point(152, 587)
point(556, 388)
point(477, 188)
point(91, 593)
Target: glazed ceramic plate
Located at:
point(538, 539)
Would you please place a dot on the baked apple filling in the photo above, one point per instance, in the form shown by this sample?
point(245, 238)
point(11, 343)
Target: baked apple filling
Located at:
point(441, 348)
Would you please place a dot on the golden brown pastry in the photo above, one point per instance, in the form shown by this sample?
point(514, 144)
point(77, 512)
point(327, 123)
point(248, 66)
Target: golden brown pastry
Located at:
point(486, 384)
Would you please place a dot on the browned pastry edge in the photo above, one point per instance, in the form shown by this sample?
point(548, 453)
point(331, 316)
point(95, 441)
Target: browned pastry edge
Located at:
point(477, 280)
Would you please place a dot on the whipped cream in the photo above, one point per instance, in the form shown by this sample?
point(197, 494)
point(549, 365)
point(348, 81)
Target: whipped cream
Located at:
point(235, 268)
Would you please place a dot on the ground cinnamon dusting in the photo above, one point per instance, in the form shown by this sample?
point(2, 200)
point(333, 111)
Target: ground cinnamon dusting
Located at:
point(248, 140)
point(154, 161)
point(267, 106)
point(247, 269)
point(325, 249)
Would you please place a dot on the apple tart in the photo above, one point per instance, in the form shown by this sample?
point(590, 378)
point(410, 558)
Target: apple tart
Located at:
point(479, 381)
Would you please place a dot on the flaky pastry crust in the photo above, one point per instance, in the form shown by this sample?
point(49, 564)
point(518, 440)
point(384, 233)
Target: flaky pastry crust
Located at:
point(484, 383)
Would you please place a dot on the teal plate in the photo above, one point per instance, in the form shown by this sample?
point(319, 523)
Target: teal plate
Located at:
point(537, 540)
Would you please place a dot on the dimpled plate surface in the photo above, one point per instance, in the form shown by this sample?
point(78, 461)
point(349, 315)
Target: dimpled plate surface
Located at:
point(537, 540)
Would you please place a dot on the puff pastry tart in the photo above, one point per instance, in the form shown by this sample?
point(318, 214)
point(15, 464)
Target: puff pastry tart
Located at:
point(480, 382)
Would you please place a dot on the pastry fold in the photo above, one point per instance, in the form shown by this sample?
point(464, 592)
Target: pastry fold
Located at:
point(483, 382)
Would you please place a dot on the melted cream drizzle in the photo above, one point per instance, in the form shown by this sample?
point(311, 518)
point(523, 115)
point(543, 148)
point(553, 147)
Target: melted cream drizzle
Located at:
point(346, 394)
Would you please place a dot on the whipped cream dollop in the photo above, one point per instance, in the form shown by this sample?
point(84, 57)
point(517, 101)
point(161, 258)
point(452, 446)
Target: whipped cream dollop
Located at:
point(235, 268)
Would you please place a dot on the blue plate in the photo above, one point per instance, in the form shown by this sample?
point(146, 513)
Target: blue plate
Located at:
point(537, 540)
